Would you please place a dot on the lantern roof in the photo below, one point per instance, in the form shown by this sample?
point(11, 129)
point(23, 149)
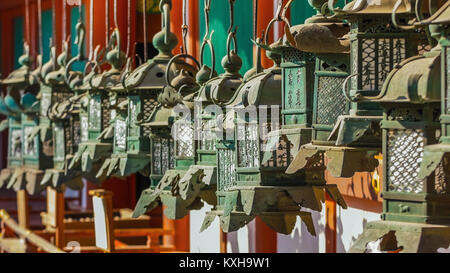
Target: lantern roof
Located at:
point(163, 114)
point(368, 7)
point(20, 75)
point(415, 80)
point(259, 89)
point(220, 89)
point(320, 37)
point(116, 58)
point(160, 116)
point(152, 74)
point(105, 80)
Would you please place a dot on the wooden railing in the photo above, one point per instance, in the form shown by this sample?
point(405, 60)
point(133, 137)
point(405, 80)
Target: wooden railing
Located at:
point(24, 235)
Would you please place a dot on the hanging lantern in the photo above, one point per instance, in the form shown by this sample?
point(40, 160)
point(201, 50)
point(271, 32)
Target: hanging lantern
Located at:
point(62, 111)
point(36, 146)
point(16, 84)
point(131, 142)
point(200, 181)
point(98, 111)
point(251, 166)
point(415, 196)
point(376, 46)
point(173, 141)
point(183, 187)
point(172, 147)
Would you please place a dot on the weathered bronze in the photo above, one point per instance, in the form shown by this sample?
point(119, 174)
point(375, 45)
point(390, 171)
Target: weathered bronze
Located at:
point(16, 84)
point(131, 143)
point(98, 109)
point(415, 203)
point(173, 142)
point(251, 166)
point(375, 46)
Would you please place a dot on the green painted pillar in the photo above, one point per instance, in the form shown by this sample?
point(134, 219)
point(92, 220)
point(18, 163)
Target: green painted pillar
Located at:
point(47, 33)
point(18, 25)
point(220, 21)
point(74, 15)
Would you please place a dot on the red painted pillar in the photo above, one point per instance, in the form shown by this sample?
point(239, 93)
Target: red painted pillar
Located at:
point(7, 53)
point(265, 237)
point(34, 45)
point(330, 225)
point(265, 14)
point(176, 20)
point(182, 226)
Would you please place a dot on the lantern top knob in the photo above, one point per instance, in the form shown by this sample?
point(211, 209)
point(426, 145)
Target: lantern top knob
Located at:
point(165, 41)
point(233, 64)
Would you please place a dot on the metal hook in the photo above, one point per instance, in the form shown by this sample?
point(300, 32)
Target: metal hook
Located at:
point(81, 31)
point(184, 28)
point(232, 38)
point(230, 29)
point(280, 17)
point(169, 65)
point(344, 88)
point(213, 54)
point(394, 16)
point(206, 11)
point(165, 7)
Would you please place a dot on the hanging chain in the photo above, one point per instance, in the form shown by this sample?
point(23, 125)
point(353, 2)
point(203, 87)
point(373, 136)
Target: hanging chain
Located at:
point(91, 29)
point(115, 14)
point(231, 34)
point(52, 43)
point(255, 19)
point(207, 10)
point(184, 28)
point(207, 39)
point(230, 29)
point(64, 26)
point(129, 29)
point(107, 21)
point(279, 17)
point(144, 4)
point(41, 45)
point(53, 39)
point(80, 12)
point(27, 21)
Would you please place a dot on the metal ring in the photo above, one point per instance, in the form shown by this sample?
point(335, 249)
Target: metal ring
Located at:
point(231, 37)
point(394, 17)
point(418, 10)
point(168, 81)
point(213, 55)
point(69, 64)
point(331, 5)
point(270, 25)
point(165, 7)
point(344, 88)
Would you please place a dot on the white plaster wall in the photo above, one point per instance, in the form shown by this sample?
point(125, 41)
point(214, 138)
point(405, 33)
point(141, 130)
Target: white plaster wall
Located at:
point(300, 240)
point(209, 240)
point(350, 224)
point(243, 240)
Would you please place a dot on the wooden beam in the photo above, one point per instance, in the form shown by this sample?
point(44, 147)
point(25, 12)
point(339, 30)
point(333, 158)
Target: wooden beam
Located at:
point(23, 209)
point(56, 210)
point(27, 234)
